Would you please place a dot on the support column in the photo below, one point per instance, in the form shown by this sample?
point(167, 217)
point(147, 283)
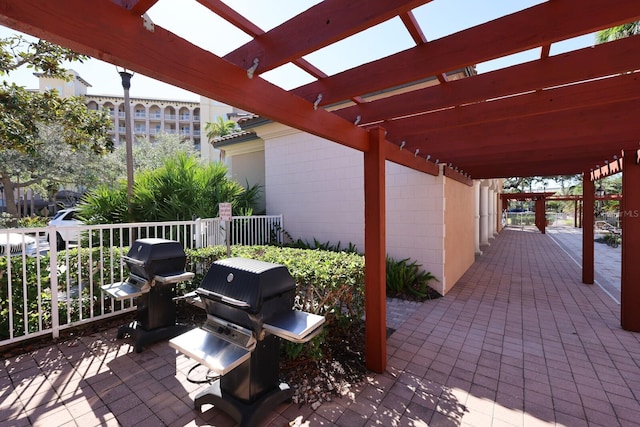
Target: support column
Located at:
point(484, 212)
point(630, 224)
point(491, 214)
point(476, 217)
point(541, 216)
point(588, 197)
point(497, 212)
point(375, 252)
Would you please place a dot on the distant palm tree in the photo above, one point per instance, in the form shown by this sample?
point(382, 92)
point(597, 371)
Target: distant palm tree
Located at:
point(220, 127)
point(618, 32)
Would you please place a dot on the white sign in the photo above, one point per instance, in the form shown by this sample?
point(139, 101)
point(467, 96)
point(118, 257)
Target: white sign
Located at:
point(225, 211)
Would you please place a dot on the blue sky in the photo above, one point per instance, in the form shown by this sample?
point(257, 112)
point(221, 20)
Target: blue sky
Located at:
point(192, 21)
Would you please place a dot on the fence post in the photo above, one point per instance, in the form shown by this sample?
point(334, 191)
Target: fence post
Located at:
point(198, 232)
point(281, 230)
point(53, 268)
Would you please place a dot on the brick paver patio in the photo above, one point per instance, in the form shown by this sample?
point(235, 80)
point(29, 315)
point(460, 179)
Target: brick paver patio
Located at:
point(518, 342)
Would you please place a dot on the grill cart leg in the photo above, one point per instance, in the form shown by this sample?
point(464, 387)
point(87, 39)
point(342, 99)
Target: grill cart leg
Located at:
point(142, 337)
point(244, 413)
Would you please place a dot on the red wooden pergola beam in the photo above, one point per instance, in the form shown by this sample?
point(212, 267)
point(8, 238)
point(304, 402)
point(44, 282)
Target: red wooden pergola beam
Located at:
point(510, 34)
point(577, 156)
point(583, 64)
point(594, 93)
point(611, 167)
point(450, 172)
point(231, 16)
point(600, 122)
point(410, 159)
point(120, 38)
point(577, 152)
point(137, 7)
point(317, 27)
point(412, 26)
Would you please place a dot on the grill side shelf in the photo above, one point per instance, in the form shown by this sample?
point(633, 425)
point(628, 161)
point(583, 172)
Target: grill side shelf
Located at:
point(296, 326)
point(215, 353)
point(175, 278)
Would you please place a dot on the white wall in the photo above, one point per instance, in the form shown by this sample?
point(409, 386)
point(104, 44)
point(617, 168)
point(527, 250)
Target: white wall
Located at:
point(318, 186)
point(415, 217)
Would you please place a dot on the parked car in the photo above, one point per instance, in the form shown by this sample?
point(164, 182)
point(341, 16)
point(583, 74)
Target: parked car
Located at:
point(66, 225)
point(18, 244)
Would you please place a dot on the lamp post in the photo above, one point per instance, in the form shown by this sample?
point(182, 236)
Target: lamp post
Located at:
point(125, 75)
point(599, 193)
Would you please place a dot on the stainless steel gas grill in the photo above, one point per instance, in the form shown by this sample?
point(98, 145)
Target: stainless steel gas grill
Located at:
point(155, 267)
point(249, 307)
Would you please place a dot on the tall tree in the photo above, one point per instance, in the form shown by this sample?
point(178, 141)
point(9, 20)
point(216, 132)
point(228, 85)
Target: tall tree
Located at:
point(24, 114)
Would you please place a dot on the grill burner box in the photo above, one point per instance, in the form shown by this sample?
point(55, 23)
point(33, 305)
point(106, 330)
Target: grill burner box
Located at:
point(155, 266)
point(249, 307)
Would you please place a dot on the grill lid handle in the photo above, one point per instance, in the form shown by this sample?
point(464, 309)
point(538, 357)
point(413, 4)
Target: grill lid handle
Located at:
point(223, 298)
point(133, 260)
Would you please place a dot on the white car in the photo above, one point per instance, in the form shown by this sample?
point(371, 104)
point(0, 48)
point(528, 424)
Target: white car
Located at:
point(17, 243)
point(66, 225)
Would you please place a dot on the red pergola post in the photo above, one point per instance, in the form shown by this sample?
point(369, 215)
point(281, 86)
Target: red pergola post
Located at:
point(541, 215)
point(588, 197)
point(375, 252)
point(630, 223)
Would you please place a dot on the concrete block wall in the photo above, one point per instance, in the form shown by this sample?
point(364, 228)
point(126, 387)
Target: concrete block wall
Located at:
point(318, 186)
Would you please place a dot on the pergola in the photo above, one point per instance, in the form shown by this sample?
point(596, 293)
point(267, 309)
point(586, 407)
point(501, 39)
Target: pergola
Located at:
point(557, 115)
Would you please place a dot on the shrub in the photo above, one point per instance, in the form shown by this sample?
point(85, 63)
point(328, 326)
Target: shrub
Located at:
point(406, 277)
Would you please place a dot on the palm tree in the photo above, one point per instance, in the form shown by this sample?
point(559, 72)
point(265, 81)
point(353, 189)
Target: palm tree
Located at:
point(220, 127)
point(618, 32)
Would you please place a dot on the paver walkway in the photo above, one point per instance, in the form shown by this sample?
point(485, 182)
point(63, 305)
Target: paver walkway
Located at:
point(519, 341)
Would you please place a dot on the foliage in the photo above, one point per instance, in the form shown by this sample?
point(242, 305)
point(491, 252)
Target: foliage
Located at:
point(618, 32)
point(406, 277)
point(329, 283)
point(183, 188)
point(326, 246)
point(30, 122)
point(52, 164)
point(40, 55)
point(220, 127)
point(149, 155)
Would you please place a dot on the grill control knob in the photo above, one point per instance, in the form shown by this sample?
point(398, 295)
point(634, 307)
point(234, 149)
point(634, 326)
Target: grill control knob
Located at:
point(227, 331)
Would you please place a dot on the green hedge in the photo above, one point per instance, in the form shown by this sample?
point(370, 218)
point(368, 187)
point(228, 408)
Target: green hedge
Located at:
point(328, 283)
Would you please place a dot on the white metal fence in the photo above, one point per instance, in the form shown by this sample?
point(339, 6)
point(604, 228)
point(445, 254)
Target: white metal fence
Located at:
point(30, 268)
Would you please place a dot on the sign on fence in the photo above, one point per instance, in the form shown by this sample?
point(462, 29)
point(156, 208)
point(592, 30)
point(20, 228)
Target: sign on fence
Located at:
point(225, 211)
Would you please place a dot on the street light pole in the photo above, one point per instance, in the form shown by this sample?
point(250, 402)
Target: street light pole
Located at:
point(126, 85)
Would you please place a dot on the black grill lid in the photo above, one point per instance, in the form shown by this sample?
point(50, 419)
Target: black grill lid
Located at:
point(245, 282)
point(155, 257)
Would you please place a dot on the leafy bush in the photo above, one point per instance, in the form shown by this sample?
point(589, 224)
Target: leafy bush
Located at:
point(329, 283)
point(183, 188)
point(406, 277)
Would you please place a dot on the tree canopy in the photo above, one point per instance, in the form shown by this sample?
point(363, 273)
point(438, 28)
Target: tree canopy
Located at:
point(38, 130)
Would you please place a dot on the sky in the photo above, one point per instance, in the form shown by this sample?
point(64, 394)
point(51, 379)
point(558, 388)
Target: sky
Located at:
point(192, 21)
